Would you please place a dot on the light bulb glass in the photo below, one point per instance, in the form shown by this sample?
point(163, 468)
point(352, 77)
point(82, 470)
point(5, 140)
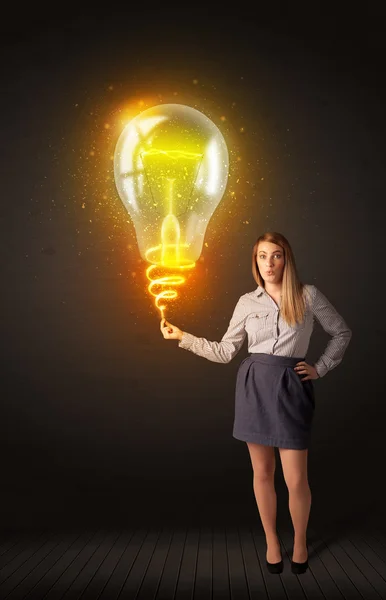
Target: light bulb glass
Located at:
point(171, 169)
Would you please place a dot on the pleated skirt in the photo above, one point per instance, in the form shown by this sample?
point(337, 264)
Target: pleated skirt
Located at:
point(273, 406)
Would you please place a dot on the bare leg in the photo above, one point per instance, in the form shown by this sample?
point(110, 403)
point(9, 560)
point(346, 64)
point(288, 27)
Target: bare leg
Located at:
point(263, 464)
point(294, 463)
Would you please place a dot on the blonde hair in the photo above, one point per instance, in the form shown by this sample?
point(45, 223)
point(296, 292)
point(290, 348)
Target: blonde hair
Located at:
point(293, 303)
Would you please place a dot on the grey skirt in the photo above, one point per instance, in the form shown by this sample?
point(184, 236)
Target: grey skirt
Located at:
point(273, 406)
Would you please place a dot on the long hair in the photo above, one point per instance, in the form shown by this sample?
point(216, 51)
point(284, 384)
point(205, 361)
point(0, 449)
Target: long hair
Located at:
point(293, 303)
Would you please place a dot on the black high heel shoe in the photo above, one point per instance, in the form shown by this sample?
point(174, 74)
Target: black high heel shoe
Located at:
point(299, 568)
point(274, 567)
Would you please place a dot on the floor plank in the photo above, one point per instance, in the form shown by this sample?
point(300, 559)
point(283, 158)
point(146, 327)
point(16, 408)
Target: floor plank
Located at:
point(172, 562)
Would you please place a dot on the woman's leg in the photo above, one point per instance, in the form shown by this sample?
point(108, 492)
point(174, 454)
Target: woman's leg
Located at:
point(263, 464)
point(294, 464)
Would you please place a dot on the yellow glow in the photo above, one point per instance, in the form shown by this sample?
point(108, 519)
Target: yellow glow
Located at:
point(174, 153)
point(165, 280)
point(171, 170)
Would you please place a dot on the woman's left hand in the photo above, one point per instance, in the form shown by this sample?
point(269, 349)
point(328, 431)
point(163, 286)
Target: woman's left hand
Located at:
point(303, 367)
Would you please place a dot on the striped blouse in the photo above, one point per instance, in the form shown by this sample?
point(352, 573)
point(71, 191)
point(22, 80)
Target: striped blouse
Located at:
point(257, 316)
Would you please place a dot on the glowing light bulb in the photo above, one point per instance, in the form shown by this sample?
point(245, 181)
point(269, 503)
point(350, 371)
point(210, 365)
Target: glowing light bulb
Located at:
point(171, 169)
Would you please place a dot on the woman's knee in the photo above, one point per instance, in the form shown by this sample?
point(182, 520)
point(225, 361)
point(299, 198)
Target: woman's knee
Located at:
point(263, 461)
point(294, 464)
point(297, 483)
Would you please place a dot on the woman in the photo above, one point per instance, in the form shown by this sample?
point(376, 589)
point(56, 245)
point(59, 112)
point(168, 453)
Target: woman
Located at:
point(275, 400)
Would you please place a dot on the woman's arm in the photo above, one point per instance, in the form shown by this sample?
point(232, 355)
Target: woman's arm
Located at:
point(230, 344)
point(334, 324)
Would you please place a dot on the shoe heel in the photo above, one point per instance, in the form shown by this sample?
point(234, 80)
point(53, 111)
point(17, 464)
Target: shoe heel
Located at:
point(275, 567)
point(299, 568)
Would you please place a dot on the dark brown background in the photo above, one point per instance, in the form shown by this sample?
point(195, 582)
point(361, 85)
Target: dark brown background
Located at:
point(99, 414)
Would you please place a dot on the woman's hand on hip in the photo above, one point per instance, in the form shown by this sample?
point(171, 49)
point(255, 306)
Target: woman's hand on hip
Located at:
point(310, 371)
point(169, 331)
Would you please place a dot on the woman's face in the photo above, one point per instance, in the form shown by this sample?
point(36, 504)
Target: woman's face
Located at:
point(270, 262)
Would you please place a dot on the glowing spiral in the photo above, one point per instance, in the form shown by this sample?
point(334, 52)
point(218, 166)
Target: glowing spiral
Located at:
point(173, 279)
point(166, 280)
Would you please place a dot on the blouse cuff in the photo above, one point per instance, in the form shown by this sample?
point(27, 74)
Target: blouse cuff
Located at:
point(186, 341)
point(321, 368)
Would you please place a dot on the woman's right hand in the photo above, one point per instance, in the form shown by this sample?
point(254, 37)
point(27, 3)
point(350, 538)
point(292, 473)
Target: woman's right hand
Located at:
point(169, 331)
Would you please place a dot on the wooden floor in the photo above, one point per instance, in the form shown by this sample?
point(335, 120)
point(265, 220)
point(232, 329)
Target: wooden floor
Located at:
point(187, 563)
